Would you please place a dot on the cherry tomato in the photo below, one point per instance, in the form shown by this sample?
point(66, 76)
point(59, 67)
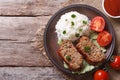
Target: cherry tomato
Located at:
point(97, 24)
point(104, 38)
point(115, 62)
point(101, 75)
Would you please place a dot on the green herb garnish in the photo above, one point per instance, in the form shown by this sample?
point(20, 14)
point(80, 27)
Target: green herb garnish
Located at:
point(65, 19)
point(72, 23)
point(64, 32)
point(80, 30)
point(84, 22)
point(73, 15)
point(87, 49)
point(68, 57)
point(77, 34)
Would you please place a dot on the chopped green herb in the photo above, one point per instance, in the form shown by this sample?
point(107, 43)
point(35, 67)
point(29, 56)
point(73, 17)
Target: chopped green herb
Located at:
point(84, 22)
point(68, 57)
point(77, 34)
point(87, 49)
point(80, 30)
point(65, 19)
point(64, 32)
point(73, 15)
point(72, 23)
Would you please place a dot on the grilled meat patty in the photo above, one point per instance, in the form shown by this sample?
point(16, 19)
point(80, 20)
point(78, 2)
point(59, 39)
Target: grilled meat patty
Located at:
point(90, 51)
point(70, 55)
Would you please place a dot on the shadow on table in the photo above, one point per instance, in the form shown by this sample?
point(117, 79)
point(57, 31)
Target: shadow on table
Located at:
point(116, 25)
point(83, 77)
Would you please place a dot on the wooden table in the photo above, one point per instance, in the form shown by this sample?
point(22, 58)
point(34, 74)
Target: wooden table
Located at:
point(22, 56)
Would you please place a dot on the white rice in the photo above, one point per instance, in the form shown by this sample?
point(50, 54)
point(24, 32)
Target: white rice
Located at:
point(72, 25)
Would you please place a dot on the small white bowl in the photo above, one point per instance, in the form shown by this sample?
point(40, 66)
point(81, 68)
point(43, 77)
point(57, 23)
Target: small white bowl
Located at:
point(107, 12)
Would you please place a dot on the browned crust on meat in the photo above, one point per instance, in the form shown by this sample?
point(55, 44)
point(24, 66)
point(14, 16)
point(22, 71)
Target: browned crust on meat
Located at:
point(95, 55)
point(67, 48)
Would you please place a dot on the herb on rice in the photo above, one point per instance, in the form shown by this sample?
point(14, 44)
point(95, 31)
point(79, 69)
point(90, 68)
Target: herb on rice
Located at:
point(64, 32)
point(77, 34)
point(84, 22)
point(80, 30)
point(73, 15)
point(72, 23)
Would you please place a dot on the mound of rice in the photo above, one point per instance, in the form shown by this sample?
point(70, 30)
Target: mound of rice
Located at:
point(72, 25)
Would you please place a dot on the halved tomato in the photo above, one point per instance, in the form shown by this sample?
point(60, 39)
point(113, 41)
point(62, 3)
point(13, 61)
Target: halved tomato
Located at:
point(104, 38)
point(97, 24)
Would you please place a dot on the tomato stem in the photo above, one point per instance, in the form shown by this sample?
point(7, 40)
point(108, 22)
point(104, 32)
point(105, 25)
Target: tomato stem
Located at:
point(105, 69)
point(112, 59)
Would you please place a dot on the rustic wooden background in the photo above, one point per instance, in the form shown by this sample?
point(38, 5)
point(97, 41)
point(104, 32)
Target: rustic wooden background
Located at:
point(22, 23)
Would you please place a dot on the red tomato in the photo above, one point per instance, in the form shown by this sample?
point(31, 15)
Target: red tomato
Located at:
point(101, 75)
point(104, 38)
point(97, 24)
point(115, 63)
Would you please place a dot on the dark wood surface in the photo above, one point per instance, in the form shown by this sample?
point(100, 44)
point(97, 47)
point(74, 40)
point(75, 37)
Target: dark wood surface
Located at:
point(22, 55)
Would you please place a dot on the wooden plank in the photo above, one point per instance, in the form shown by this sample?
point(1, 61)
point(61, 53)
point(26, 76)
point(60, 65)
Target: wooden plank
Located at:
point(29, 7)
point(17, 41)
point(30, 73)
point(36, 7)
point(44, 73)
point(35, 73)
